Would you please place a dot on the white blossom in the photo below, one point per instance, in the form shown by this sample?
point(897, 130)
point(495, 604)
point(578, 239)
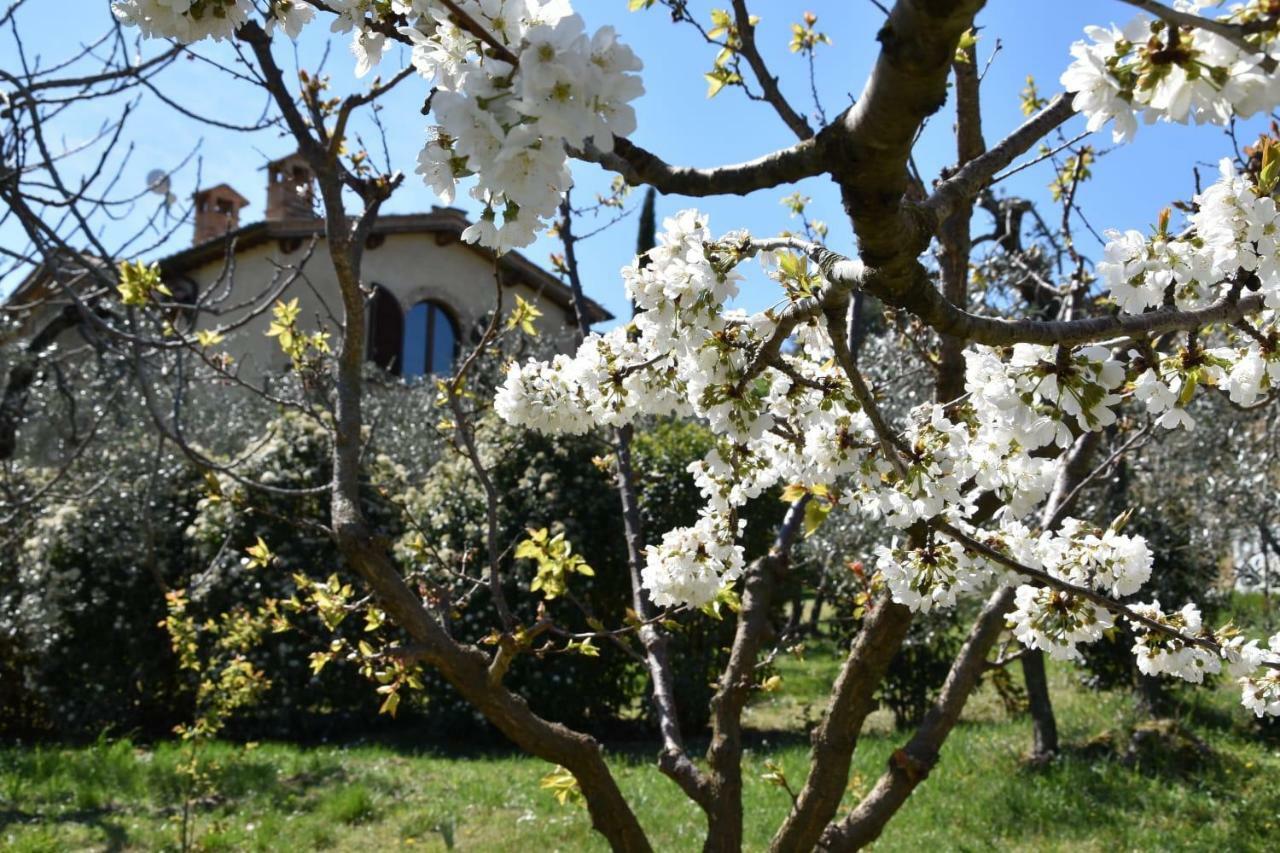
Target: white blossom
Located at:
point(1260, 690)
point(367, 47)
point(1159, 653)
point(1103, 559)
point(921, 578)
point(1149, 69)
point(184, 20)
point(1056, 622)
point(1254, 374)
point(291, 16)
point(1098, 94)
point(692, 564)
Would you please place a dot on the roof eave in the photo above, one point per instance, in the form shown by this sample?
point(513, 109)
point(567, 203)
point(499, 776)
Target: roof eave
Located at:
point(439, 221)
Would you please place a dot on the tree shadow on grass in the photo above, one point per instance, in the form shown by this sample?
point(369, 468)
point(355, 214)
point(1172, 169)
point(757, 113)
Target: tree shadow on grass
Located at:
point(1164, 748)
point(252, 776)
point(114, 836)
point(1109, 784)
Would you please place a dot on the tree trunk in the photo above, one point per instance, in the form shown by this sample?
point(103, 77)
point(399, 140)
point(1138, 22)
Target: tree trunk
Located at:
point(724, 753)
point(834, 740)
point(1044, 726)
point(815, 615)
point(910, 765)
point(796, 616)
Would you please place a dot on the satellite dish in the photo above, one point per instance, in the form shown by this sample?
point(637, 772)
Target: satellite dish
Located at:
point(158, 183)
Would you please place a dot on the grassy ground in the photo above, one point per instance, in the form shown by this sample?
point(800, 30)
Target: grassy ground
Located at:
point(983, 796)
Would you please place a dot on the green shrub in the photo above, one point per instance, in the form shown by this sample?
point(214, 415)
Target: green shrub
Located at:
point(97, 566)
point(81, 594)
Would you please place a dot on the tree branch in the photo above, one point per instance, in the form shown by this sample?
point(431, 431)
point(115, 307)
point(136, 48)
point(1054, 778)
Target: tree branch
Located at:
point(909, 765)
point(768, 82)
point(868, 148)
point(638, 166)
point(918, 296)
point(954, 230)
point(973, 176)
point(852, 699)
point(724, 754)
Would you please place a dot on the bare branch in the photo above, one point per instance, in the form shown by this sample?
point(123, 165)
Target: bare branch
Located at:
point(974, 175)
point(638, 166)
point(768, 82)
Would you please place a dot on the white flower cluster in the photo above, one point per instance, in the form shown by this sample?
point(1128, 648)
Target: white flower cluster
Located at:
point(1028, 396)
point(506, 105)
point(1258, 673)
point(934, 575)
point(938, 466)
point(1160, 654)
point(1160, 389)
point(508, 124)
point(1104, 559)
point(1256, 371)
point(692, 564)
point(1232, 242)
point(948, 461)
point(1256, 669)
point(1044, 618)
point(1233, 233)
point(184, 20)
point(645, 368)
point(1108, 561)
point(1056, 621)
point(290, 16)
point(1158, 72)
point(546, 396)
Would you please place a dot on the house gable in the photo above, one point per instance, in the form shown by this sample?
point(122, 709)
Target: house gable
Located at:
point(415, 259)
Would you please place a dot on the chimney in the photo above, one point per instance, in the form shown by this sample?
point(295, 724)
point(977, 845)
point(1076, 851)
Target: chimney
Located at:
point(290, 190)
point(217, 212)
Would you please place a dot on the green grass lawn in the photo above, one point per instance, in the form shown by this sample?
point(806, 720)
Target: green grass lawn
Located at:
point(115, 796)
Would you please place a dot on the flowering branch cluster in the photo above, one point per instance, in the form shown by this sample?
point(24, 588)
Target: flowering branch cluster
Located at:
point(515, 82)
point(1178, 66)
point(506, 117)
point(1230, 246)
point(804, 418)
point(518, 82)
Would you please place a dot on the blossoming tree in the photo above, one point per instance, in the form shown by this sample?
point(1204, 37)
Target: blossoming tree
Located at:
point(980, 482)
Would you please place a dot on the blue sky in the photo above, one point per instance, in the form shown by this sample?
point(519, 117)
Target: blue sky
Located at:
point(676, 120)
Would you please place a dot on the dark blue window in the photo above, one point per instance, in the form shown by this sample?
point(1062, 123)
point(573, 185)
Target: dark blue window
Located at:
point(384, 343)
point(430, 341)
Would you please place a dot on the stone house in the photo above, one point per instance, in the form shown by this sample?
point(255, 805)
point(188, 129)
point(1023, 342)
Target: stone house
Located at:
point(428, 290)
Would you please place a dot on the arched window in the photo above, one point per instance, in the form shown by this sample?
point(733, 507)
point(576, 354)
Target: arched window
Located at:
point(385, 337)
point(430, 341)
